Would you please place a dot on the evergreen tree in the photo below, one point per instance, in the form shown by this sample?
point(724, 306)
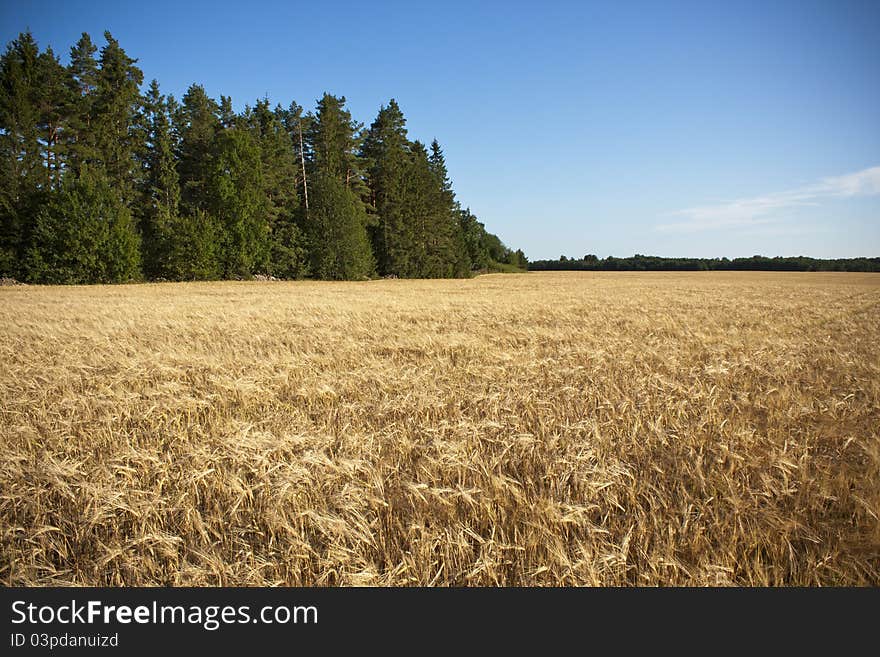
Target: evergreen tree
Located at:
point(386, 152)
point(55, 100)
point(161, 190)
point(339, 246)
point(115, 112)
point(297, 126)
point(82, 80)
point(214, 194)
point(338, 219)
point(493, 246)
point(429, 207)
point(280, 178)
point(84, 234)
point(472, 231)
point(22, 175)
point(194, 251)
point(418, 233)
point(227, 115)
point(333, 141)
point(238, 200)
point(196, 122)
point(419, 209)
point(454, 249)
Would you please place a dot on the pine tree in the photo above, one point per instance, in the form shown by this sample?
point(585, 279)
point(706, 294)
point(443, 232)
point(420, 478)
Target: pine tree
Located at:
point(55, 100)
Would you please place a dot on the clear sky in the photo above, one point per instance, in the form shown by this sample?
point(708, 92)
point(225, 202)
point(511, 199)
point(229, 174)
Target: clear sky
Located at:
point(667, 128)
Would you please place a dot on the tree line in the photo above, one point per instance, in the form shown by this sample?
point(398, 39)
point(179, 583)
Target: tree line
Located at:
point(102, 183)
point(755, 263)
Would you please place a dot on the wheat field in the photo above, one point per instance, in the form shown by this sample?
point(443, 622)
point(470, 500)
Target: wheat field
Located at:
point(541, 429)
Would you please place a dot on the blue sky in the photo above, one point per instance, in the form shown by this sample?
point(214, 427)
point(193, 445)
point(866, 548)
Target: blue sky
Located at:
point(668, 128)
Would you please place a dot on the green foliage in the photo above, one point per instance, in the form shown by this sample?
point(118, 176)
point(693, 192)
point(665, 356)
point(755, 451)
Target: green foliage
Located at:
point(427, 217)
point(472, 233)
point(82, 81)
point(289, 255)
point(336, 224)
point(84, 234)
point(386, 152)
point(160, 191)
point(519, 259)
point(503, 268)
point(338, 242)
point(417, 234)
point(277, 159)
point(53, 122)
point(22, 176)
point(280, 174)
point(193, 247)
point(755, 263)
point(196, 123)
point(333, 140)
point(99, 183)
point(114, 116)
point(237, 199)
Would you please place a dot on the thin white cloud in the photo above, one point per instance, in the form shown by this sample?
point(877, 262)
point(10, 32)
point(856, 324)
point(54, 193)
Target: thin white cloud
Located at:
point(760, 209)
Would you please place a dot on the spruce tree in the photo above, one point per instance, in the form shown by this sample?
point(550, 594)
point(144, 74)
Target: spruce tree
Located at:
point(452, 244)
point(196, 122)
point(386, 152)
point(333, 139)
point(238, 200)
point(115, 112)
point(418, 233)
point(420, 210)
point(280, 178)
point(82, 80)
point(473, 231)
point(160, 202)
point(338, 244)
point(227, 115)
point(194, 250)
point(337, 222)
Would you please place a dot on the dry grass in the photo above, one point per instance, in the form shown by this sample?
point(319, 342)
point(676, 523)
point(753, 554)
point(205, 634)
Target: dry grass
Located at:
point(541, 429)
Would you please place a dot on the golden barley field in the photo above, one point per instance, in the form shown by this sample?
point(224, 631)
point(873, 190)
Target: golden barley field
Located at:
point(558, 429)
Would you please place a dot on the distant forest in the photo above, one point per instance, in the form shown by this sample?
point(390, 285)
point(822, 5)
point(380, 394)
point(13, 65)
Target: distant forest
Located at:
point(655, 263)
point(103, 183)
